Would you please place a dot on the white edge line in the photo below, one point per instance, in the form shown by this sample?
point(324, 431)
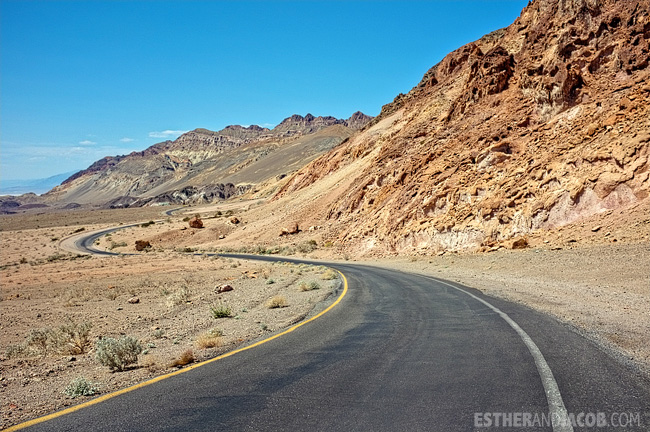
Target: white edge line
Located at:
point(557, 410)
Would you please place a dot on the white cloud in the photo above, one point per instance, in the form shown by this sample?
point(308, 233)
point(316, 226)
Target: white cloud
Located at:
point(87, 142)
point(127, 140)
point(166, 134)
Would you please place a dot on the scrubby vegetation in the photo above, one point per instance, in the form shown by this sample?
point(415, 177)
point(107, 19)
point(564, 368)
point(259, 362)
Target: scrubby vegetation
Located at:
point(69, 338)
point(277, 302)
point(80, 387)
point(117, 353)
point(220, 311)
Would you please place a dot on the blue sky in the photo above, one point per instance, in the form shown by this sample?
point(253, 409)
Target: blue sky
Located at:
point(81, 80)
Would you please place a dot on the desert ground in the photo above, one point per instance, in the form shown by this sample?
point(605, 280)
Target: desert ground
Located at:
point(162, 298)
point(591, 275)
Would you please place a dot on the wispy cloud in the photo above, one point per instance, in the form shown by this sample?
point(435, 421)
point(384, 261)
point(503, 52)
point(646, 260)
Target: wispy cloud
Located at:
point(87, 143)
point(126, 140)
point(166, 134)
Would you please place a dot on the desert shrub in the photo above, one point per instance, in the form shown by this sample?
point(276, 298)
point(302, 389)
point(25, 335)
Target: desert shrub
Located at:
point(147, 224)
point(307, 247)
point(186, 358)
point(329, 274)
point(76, 337)
point(186, 218)
point(220, 311)
point(70, 338)
point(270, 281)
point(117, 353)
point(277, 302)
point(308, 286)
point(80, 387)
point(209, 339)
point(178, 297)
point(78, 230)
point(116, 245)
point(16, 351)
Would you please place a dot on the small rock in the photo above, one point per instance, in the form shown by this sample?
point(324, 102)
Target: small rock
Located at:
point(224, 288)
point(591, 129)
point(72, 358)
point(596, 228)
point(119, 308)
point(520, 243)
point(221, 237)
point(234, 221)
point(134, 300)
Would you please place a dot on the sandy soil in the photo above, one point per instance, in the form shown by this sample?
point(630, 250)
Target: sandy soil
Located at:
point(44, 287)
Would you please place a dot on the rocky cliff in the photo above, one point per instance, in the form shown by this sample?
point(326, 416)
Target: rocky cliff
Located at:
point(532, 127)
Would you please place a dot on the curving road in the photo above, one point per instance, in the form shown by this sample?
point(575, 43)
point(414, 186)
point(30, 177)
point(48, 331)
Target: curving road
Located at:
point(400, 352)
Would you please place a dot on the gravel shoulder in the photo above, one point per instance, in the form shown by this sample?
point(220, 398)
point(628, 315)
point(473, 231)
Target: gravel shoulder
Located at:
point(602, 290)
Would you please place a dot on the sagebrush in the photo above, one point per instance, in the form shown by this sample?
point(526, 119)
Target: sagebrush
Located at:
point(80, 387)
point(117, 353)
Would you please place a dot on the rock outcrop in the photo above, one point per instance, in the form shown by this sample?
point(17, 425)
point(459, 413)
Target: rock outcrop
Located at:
point(532, 127)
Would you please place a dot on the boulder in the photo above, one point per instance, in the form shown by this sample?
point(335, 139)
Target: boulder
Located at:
point(196, 222)
point(141, 245)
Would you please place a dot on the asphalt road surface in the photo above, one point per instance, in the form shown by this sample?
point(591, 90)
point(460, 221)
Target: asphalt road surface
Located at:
point(400, 352)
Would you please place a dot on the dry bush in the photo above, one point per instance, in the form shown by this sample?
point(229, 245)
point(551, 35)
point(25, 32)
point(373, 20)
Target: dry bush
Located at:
point(178, 297)
point(210, 339)
point(69, 338)
point(277, 301)
point(329, 274)
point(186, 358)
point(308, 286)
point(74, 296)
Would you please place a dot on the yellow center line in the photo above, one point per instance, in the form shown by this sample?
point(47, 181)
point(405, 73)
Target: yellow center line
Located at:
point(178, 372)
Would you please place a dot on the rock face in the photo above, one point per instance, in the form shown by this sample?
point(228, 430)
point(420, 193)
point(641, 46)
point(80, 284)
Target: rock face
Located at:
point(531, 127)
point(202, 166)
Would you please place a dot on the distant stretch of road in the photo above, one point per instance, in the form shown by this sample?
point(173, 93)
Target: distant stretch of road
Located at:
point(400, 352)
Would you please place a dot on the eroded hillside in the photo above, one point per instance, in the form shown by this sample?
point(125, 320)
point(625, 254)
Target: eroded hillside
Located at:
point(532, 127)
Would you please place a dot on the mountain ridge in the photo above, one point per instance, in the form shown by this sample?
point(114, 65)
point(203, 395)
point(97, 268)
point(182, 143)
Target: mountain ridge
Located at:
point(178, 168)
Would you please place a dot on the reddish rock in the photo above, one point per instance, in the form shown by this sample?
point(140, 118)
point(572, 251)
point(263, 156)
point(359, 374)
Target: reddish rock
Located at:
point(234, 221)
point(196, 222)
point(520, 243)
point(141, 245)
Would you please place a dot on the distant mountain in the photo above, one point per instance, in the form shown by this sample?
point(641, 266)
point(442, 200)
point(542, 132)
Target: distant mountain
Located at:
point(37, 186)
point(202, 165)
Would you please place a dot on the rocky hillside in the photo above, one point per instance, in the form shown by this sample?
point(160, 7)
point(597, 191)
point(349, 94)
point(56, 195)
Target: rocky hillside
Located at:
point(203, 165)
point(532, 127)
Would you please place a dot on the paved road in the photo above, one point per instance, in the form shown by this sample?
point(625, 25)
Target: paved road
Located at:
point(401, 352)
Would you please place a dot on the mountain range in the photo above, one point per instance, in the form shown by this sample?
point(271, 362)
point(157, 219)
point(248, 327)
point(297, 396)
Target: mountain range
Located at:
point(532, 127)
